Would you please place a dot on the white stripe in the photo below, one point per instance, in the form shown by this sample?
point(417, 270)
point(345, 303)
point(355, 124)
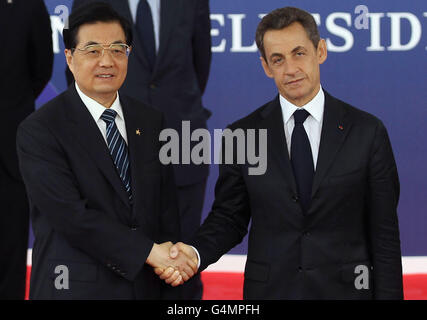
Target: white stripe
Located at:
point(229, 263)
point(124, 168)
point(114, 139)
point(119, 153)
point(109, 137)
point(236, 263)
point(413, 265)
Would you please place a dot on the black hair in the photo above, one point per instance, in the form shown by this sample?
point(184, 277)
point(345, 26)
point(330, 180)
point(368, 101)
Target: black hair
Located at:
point(282, 18)
point(92, 13)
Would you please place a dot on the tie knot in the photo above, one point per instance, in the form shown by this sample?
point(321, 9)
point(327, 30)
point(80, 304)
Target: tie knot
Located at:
point(108, 115)
point(300, 116)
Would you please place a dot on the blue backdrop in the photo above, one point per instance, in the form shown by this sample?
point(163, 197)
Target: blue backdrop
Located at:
point(381, 69)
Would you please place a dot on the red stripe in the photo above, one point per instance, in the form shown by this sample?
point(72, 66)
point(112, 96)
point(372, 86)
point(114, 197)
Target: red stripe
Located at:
point(229, 286)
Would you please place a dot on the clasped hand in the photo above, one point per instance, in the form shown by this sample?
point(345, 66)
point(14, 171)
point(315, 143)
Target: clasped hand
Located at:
point(174, 264)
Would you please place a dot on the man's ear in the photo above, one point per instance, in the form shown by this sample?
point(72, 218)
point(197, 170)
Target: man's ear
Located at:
point(322, 51)
point(69, 58)
point(266, 68)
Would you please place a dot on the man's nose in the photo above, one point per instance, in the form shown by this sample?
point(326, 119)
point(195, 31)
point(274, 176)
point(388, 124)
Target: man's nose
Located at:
point(291, 67)
point(106, 59)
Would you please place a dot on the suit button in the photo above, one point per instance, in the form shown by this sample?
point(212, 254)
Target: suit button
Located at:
point(153, 86)
point(299, 269)
point(306, 234)
point(295, 198)
point(133, 228)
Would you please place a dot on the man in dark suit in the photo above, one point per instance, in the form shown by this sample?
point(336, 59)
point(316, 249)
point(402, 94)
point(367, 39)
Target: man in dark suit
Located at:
point(324, 221)
point(169, 69)
point(102, 205)
point(26, 61)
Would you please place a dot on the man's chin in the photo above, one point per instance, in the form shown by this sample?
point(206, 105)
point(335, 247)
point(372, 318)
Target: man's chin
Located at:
point(106, 89)
point(299, 97)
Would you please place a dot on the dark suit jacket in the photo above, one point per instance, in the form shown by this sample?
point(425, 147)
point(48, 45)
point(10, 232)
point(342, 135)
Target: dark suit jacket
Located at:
point(26, 61)
point(352, 219)
point(181, 71)
point(80, 210)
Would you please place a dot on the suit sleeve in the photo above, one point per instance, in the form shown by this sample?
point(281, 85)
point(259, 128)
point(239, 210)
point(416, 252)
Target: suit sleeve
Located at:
point(384, 228)
point(170, 228)
point(227, 223)
point(53, 191)
point(41, 52)
point(202, 43)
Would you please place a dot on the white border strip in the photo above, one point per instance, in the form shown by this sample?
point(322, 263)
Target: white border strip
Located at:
point(236, 263)
point(229, 263)
point(412, 265)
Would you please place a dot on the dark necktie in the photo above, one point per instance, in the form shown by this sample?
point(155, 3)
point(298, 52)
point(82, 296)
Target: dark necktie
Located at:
point(302, 159)
point(118, 149)
point(145, 28)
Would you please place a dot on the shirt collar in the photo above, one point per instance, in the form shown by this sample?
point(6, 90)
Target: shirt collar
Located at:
point(96, 109)
point(315, 107)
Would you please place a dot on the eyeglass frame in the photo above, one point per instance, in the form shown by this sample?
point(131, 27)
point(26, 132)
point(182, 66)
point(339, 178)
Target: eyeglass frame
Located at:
point(104, 47)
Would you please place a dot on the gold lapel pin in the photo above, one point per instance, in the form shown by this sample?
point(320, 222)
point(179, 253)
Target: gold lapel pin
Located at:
point(138, 132)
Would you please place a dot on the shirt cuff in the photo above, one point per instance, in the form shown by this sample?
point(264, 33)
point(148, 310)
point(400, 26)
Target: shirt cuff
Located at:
point(198, 257)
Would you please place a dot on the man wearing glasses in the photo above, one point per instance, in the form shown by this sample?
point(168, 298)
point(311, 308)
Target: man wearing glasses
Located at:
point(102, 205)
point(169, 70)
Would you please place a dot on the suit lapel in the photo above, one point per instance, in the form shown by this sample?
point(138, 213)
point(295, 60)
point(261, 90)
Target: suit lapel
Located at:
point(122, 7)
point(87, 133)
point(140, 145)
point(137, 48)
point(277, 148)
point(168, 12)
point(334, 130)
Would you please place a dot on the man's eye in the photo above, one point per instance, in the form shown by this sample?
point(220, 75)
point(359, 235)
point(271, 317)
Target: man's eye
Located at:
point(92, 51)
point(276, 61)
point(300, 53)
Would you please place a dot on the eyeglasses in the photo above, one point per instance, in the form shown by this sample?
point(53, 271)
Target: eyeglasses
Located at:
point(95, 51)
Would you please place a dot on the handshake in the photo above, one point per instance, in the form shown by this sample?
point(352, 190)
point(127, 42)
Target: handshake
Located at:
point(173, 263)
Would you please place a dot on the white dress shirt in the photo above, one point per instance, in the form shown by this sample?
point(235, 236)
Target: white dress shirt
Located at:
point(312, 125)
point(155, 13)
point(96, 110)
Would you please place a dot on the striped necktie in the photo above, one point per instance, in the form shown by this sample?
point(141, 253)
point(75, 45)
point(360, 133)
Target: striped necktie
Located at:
point(118, 149)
